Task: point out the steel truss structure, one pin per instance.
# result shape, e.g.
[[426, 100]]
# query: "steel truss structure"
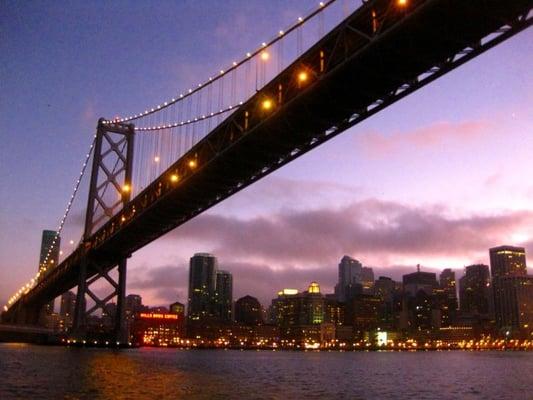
[[109, 192]]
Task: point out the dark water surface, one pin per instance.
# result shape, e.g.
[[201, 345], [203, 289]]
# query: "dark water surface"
[[39, 372]]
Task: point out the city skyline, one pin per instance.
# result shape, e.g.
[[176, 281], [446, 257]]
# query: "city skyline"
[[417, 183]]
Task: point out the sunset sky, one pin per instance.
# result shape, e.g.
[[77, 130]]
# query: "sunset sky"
[[435, 179]]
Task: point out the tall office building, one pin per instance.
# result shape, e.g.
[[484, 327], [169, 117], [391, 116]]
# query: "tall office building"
[[224, 296], [48, 259], [202, 285], [350, 276], [474, 290], [512, 288]]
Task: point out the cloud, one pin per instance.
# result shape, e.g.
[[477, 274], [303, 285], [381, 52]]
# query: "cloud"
[[437, 134], [370, 227]]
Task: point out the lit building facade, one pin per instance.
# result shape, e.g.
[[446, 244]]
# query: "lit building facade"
[[158, 329], [297, 312]]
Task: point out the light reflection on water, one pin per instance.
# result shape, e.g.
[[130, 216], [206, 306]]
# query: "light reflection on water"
[[38, 372]]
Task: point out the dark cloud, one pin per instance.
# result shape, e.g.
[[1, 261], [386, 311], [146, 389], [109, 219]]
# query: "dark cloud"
[[368, 227]]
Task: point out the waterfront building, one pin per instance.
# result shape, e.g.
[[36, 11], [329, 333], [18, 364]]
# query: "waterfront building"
[[363, 314], [158, 329], [513, 297], [295, 311], [334, 311], [391, 297], [248, 311], [512, 290]]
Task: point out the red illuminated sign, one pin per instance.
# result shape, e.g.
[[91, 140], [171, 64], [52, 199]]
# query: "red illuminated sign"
[[158, 316]]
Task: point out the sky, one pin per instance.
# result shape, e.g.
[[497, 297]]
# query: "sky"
[[435, 179]]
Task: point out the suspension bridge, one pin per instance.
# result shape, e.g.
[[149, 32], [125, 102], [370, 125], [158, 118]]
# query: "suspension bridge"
[[154, 170]]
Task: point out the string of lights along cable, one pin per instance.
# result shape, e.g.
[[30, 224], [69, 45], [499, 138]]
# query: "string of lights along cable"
[[169, 130]]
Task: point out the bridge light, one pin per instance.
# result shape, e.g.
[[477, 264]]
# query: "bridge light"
[[5, 308], [126, 188], [156, 158], [302, 77], [123, 218], [71, 242], [174, 178], [265, 56], [401, 3], [267, 104], [192, 164]]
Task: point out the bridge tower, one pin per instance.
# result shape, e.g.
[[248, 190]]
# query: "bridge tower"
[[109, 191]]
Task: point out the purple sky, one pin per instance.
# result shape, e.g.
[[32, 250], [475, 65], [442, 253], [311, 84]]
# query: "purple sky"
[[435, 179]]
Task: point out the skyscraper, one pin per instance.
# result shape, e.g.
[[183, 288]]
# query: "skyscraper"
[[512, 289], [224, 296], [474, 290], [202, 284], [48, 259], [350, 275]]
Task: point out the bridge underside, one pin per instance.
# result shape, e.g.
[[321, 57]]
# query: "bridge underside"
[[364, 72]]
